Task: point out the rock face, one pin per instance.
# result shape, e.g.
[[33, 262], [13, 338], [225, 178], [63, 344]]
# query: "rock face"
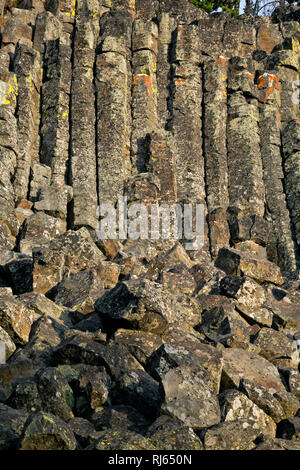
[[117, 331]]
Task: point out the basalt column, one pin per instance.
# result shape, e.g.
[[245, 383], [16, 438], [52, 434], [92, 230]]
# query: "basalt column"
[[144, 90], [8, 140], [185, 108], [56, 88], [83, 148], [246, 188], [113, 95], [215, 150], [291, 152], [280, 245], [28, 70]]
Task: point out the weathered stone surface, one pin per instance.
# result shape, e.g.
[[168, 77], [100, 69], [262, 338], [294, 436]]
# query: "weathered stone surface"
[[84, 432], [187, 397], [44, 431], [145, 305], [277, 444], [26, 396], [273, 344], [170, 434], [190, 355], [119, 417], [235, 406], [234, 435], [289, 429], [121, 440], [239, 364], [234, 262], [56, 395], [28, 71], [292, 378], [13, 372], [91, 389], [137, 388], [9, 345], [11, 426], [251, 298], [69, 253], [16, 319], [276, 405], [79, 291], [285, 315], [115, 359], [140, 344]]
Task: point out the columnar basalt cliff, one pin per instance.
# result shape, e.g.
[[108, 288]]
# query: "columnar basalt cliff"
[[144, 344]]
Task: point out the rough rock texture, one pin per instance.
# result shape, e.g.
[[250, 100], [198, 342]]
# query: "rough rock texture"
[[117, 331]]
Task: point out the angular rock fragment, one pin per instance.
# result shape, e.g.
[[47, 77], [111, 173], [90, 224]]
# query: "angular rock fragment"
[[119, 417], [84, 431], [273, 344], [289, 429], [239, 364], [170, 434], [232, 435], [91, 389], [11, 426], [44, 431], [16, 319], [55, 393], [145, 305], [7, 343], [121, 440], [187, 397], [69, 253], [79, 291], [139, 343], [236, 263], [235, 405], [138, 389], [195, 356], [116, 359]]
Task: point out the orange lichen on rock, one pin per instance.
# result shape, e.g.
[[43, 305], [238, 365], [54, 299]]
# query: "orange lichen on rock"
[[221, 59], [271, 84], [147, 83]]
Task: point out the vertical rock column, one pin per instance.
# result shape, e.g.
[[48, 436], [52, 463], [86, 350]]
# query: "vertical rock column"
[[286, 61], [280, 246], [113, 95], [214, 127], [28, 70], [55, 43], [185, 108], [186, 115], [215, 151], [55, 108], [291, 152], [83, 150], [245, 176], [167, 26], [144, 91], [8, 141]]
